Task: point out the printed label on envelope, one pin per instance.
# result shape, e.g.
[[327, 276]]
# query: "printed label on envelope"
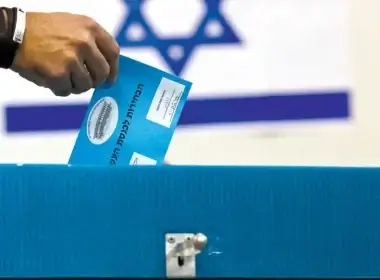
[[132, 122]]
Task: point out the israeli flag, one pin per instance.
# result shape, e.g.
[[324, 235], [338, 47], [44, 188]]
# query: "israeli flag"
[[251, 62]]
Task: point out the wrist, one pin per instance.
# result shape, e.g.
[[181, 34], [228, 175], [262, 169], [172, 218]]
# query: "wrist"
[[12, 35]]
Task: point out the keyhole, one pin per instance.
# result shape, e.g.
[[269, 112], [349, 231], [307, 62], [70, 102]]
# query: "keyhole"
[[181, 261]]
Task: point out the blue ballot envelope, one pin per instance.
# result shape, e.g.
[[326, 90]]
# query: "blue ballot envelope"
[[131, 122], [172, 221]]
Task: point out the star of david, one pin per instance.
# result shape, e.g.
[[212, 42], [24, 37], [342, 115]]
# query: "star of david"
[[176, 51]]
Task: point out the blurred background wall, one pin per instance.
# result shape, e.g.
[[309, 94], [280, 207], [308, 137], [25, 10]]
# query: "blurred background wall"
[[294, 82]]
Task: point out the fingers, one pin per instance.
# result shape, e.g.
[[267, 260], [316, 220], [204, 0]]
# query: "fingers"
[[57, 86], [61, 93], [34, 77], [59, 83], [80, 55], [81, 80], [86, 71], [96, 64], [110, 50]]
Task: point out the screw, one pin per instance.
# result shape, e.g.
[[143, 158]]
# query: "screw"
[[171, 239]]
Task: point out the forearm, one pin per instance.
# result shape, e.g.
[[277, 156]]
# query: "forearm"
[[12, 27]]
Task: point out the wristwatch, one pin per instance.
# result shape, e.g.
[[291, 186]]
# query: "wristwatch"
[[12, 30]]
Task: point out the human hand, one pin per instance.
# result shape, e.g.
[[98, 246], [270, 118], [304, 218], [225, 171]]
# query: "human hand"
[[66, 53]]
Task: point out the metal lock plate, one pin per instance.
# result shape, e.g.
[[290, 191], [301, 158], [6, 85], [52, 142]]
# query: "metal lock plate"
[[181, 250]]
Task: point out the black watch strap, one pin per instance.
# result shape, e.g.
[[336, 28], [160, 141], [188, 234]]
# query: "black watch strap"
[[12, 28]]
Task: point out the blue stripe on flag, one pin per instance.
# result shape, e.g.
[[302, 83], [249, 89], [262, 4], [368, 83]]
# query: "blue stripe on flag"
[[301, 106]]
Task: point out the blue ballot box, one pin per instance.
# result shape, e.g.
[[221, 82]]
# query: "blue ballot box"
[[139, 221]]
